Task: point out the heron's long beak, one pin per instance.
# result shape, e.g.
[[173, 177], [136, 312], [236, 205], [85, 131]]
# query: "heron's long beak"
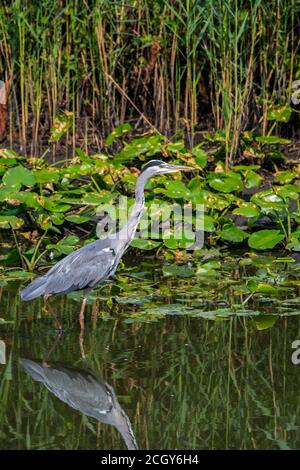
[[171, 168]]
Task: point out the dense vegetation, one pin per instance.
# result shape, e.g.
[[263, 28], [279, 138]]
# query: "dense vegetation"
[[96, 88], [49, 209], [199, 341]]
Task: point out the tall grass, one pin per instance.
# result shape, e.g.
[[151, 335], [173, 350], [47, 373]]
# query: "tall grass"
[[183, 66]]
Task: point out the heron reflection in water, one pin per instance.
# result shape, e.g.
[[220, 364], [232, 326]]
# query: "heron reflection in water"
[[82, 390]]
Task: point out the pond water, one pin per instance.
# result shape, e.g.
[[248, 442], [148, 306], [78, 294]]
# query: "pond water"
[[182, 357]]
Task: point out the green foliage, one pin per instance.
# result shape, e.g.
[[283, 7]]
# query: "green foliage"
[[265, 239], [48, 208], [61, 125]]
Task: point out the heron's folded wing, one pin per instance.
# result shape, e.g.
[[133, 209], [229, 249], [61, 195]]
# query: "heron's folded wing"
[[86, 267]]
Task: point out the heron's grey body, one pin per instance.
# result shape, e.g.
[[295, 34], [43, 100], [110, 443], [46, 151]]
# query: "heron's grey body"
[[83, 391], [94, 263]]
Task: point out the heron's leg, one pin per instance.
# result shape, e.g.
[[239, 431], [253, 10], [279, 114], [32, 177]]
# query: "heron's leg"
[[46, 358], [53, 313], [81, 314], [81, 322]]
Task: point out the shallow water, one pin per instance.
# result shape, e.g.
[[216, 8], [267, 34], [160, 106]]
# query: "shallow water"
[[182, 363]]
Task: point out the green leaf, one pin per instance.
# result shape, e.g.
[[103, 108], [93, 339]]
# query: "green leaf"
[[30, 200], [176, 270], [61, 125], [225, 184], [8, 221], [118, 132], [136, 148], [8, 193], [252, 180], [264, 322], [260, 287], [20, 274], [209, 223], [208, 268], [288, 191], [94, 199], [176, 146], [64, 246], [247, 210], [200, 156], [17, 176], [176, 190], [279, 113], [45, 222], [53, 205], [268, 200], [49, 175], [285, 177], [232, 233], [77, 219], [272, 139], [57, 218], [143, 244], [265, 239]]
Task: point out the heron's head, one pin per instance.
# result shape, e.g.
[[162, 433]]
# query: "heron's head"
[[158, 167]]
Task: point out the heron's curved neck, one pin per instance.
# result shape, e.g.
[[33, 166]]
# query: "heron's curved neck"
[[128, 231]]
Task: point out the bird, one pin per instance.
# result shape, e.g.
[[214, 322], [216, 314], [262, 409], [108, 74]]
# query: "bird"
[[94, 263], [82, 390]]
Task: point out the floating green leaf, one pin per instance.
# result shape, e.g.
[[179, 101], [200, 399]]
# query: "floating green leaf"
[[176, 270], [143, 244]]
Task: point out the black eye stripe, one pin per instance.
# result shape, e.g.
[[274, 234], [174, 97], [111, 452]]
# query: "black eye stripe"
[[152, 163]]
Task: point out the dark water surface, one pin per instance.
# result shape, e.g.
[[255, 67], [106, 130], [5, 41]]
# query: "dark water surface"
[[170, 364]]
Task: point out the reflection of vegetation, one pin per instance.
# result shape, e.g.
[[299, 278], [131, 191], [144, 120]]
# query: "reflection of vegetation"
[[207, 384], [207, 357], [226, 383]]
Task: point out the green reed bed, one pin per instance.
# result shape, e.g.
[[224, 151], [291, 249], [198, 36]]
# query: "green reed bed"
[[185, 65]]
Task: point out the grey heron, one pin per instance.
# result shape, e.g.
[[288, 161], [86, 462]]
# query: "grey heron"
[[95, 262], [82, 390]]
